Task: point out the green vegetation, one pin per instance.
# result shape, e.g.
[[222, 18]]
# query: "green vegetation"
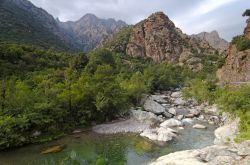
[[45, 94], [242, 43], [120, 40]]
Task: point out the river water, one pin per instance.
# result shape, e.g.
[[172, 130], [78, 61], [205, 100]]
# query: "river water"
[[93, 149]]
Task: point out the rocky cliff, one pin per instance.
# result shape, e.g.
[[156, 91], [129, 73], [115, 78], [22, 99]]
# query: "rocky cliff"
[[157, 37], [237, 63], [213, 39], [90, 31]]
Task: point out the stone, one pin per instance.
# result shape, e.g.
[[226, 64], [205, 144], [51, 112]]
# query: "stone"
[[176, 95], [159, 134], [195, 112], [172, 111], [160, 99], [199, 126], [187, 121], [189, 115], [145, 117], [180, 101], [54, 149], [226, 134], [180, 117], [171, 123], [152, 106]]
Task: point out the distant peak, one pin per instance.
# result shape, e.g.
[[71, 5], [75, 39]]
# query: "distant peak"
[[89, 15]]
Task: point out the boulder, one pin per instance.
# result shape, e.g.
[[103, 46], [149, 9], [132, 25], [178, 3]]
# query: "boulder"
[[189, 115], [152, 106], [159, 134], [172, 111], [199, 126], [171, 123], [180, 101], [143, 116], [227, 133]]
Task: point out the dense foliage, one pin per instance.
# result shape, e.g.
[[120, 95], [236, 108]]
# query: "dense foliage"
[[242, 43], [44, 94]]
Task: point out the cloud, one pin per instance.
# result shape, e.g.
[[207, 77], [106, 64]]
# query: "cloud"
[[192, 16]]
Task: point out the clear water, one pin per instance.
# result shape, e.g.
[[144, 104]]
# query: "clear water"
[[90, 149]]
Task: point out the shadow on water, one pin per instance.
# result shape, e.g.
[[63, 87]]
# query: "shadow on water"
[[93, 149]]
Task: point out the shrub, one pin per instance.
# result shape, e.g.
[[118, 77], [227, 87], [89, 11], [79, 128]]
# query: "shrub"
[[242, 43]]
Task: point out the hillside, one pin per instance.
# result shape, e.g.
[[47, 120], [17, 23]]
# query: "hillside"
[[22, 22]]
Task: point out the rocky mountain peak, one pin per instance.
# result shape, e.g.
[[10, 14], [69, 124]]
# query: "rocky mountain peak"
[[157, 38], [214, 40]]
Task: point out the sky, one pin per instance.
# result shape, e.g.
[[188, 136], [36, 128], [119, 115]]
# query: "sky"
[[192, 16]]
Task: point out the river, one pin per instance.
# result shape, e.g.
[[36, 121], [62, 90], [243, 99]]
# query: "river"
[[89, 148]]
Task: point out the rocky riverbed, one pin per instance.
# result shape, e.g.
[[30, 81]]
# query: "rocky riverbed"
[[163, 116]]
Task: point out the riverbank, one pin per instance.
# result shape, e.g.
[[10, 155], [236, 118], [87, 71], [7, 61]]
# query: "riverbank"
[[225, 150], [162, 118]]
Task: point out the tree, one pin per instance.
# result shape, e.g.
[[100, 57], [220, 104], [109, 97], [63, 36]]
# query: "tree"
[[246, 13]]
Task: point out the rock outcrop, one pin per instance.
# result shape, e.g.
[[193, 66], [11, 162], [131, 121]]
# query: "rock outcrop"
[[236, 69], [213, 39], [247, 29], [157, 38]]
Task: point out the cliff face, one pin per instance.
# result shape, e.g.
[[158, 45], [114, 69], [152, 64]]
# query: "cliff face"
[[157, 37], [213, 39], [90, 31], [237, 64]]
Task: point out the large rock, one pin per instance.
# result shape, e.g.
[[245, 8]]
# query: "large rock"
[[159, 134], [227, 133], [151, 105], [145, 117], [160, 99], [171, 123]]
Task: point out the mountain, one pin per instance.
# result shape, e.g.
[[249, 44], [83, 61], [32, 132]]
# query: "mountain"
[[237, 63], [21, 21], [213, 39], [157, 38], [90, 31]]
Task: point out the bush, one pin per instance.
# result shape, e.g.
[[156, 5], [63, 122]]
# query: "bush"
[[242, 43]]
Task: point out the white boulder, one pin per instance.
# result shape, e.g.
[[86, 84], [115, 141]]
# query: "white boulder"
[[171, 123]]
